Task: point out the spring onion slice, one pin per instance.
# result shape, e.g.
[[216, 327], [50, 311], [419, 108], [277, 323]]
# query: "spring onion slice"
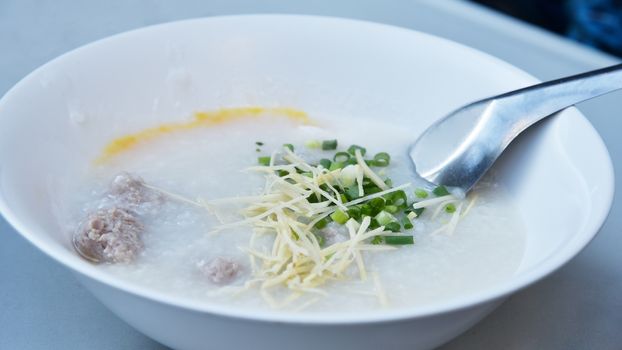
[[441, 206], [313, 144], [421, 193], [454, 219], [382, 159], [440, 191], [341, 157], [329, 145], [399, 240], [450, 208], [370, 173], [353, 148]]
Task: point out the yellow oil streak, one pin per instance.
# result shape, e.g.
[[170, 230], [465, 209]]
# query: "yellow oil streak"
[[201, 119]]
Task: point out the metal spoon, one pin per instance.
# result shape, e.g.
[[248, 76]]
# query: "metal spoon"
[[457, 150]]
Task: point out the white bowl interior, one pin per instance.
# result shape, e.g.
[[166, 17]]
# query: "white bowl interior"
[[54, 122]]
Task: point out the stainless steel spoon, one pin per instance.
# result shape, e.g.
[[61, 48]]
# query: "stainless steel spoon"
[[457, 150]]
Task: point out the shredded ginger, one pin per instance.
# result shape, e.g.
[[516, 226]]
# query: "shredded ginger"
[[296, 197], [297, 259]]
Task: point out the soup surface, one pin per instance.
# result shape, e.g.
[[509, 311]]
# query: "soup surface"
[[204, 163]]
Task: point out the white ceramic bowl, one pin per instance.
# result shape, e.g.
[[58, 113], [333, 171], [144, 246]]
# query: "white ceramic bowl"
[[56, 120]]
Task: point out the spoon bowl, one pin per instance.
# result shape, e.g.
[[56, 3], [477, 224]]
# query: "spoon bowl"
[[458, 150]]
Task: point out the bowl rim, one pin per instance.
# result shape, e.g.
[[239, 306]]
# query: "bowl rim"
[[496, 292]]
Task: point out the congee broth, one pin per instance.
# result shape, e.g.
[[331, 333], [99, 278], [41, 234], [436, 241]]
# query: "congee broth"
[[267, 208]]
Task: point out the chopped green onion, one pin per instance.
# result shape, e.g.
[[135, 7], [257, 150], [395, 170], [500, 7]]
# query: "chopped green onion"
[[313, 144], [384, 218], [335, 166], [393, 227], [440, 191], [320, 240], [325, 163], [321, 224], [400, 199], [391, 209], [407, 223], [354, 212], [376, 210], [399, 240], [264, 160], [397, 198], [352, 192], [307, 174], [367, 210], [417, 211], [369, 185], [352, 161], [373, 224], [421, 193], [450, 208], [295, 235], [352, 150], [372, 189], [339, 217], [329, 145], [259, 143], [376, 240], [283, 173], [378, 202], [344, 198], [382, 159], [290, 146], [341, 157]]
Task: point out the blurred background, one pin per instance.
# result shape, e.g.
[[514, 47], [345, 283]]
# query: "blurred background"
[[597, 23], [42, 306]]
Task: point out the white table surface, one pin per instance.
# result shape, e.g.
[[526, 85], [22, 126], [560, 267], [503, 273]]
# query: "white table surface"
[[579, 307]]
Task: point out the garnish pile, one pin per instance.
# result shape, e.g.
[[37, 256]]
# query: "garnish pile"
[[302, 202]]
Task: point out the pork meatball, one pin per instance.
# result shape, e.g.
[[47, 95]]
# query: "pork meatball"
[[219, 270], [129, 191], [109, 235]]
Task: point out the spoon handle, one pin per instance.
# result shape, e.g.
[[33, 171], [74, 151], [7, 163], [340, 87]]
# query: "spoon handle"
[[536, 102]]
